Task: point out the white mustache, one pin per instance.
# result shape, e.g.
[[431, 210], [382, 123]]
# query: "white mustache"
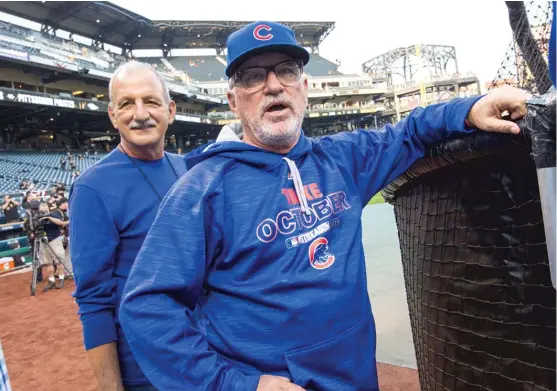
[[142, 125], [274, 100]]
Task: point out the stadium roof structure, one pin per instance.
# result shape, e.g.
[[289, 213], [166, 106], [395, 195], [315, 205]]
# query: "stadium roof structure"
[[105, 22]]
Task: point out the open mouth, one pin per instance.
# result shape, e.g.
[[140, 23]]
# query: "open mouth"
[[276, 109]]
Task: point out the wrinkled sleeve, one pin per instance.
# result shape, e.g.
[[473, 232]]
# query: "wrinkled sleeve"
[[94, 238], [374, 158]]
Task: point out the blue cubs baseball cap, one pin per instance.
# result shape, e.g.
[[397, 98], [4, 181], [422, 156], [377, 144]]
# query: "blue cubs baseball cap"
[[260, 37]]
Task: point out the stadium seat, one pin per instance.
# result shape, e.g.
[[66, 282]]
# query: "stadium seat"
[[43, 169], [199, 68]]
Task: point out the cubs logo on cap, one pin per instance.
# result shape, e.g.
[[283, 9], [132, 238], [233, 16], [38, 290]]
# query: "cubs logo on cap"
[[261, 32], [261, 37]]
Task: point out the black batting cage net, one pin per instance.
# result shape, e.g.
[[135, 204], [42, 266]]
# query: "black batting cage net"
[[525, 62], [473, 244]]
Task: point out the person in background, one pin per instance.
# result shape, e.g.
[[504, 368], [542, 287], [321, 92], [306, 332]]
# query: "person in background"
[[10, 207], [52, 255]]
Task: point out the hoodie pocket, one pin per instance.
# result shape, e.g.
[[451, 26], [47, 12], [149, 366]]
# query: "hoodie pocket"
[[345, 362]]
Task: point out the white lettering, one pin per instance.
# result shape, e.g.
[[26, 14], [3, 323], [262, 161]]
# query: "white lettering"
[[69, 104], [293, 220], [36, 100], [45, 101]]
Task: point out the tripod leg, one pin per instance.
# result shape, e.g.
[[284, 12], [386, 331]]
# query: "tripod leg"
[[36, 266]]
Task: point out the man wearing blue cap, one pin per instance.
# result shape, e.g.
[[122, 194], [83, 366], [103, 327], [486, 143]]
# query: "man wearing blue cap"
[[253, 276]]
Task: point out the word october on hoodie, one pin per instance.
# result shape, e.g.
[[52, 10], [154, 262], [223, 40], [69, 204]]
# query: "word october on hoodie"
[[255, 264]]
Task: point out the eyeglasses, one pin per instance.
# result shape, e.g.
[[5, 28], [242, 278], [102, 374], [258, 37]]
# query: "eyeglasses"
[[287, 73]]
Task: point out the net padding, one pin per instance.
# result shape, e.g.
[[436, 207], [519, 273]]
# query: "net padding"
[[480, 297]]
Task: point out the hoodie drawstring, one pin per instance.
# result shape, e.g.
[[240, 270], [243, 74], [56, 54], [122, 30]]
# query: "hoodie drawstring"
[[298, 185]]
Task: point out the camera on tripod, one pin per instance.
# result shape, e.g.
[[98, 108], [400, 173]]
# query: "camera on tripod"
[[34, 226]]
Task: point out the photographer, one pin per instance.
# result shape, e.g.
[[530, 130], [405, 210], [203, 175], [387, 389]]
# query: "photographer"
[[10, 209], [31, 201], [53, 253]]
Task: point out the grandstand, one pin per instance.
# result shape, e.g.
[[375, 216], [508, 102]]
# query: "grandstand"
[[197, 84], [43, 170], [53, 86], [210, 68]]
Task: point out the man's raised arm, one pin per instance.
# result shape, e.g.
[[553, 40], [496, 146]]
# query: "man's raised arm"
[[374, 158]]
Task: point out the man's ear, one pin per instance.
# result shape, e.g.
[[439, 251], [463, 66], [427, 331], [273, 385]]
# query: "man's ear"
[[171, 112], [306, 87], [231, 96], [112, 116]]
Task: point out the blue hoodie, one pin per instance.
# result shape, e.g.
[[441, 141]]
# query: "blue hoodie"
[[255, 265]]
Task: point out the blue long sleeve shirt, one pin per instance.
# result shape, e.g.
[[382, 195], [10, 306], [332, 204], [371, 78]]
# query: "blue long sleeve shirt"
[[111, 209], [255, 264]]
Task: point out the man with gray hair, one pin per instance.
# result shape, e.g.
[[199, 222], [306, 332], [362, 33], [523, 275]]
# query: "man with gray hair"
[[112, 205], [253, 275]]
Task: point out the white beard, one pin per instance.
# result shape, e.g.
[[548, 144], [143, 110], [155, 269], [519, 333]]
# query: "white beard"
[[278, 135]]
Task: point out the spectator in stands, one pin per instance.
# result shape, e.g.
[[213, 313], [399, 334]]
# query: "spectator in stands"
[[10, 207], [112, 207], [249, 278]]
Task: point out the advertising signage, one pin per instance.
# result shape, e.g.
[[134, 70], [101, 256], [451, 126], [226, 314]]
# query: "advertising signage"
[[36, 98]]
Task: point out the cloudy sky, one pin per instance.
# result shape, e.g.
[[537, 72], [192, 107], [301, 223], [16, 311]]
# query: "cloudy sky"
[[479, 30]]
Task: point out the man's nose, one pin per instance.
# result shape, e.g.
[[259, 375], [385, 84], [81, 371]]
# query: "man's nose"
[[273, 84], [140, 114]]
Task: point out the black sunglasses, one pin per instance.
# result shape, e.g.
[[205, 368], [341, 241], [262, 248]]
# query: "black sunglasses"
[[287, 72]]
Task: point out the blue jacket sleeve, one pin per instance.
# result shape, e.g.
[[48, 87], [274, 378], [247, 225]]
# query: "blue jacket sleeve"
[[94, 238], [162, 291], [374, 158]]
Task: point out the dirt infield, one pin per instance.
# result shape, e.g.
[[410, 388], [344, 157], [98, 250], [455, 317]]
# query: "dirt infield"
[[43, 345]]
